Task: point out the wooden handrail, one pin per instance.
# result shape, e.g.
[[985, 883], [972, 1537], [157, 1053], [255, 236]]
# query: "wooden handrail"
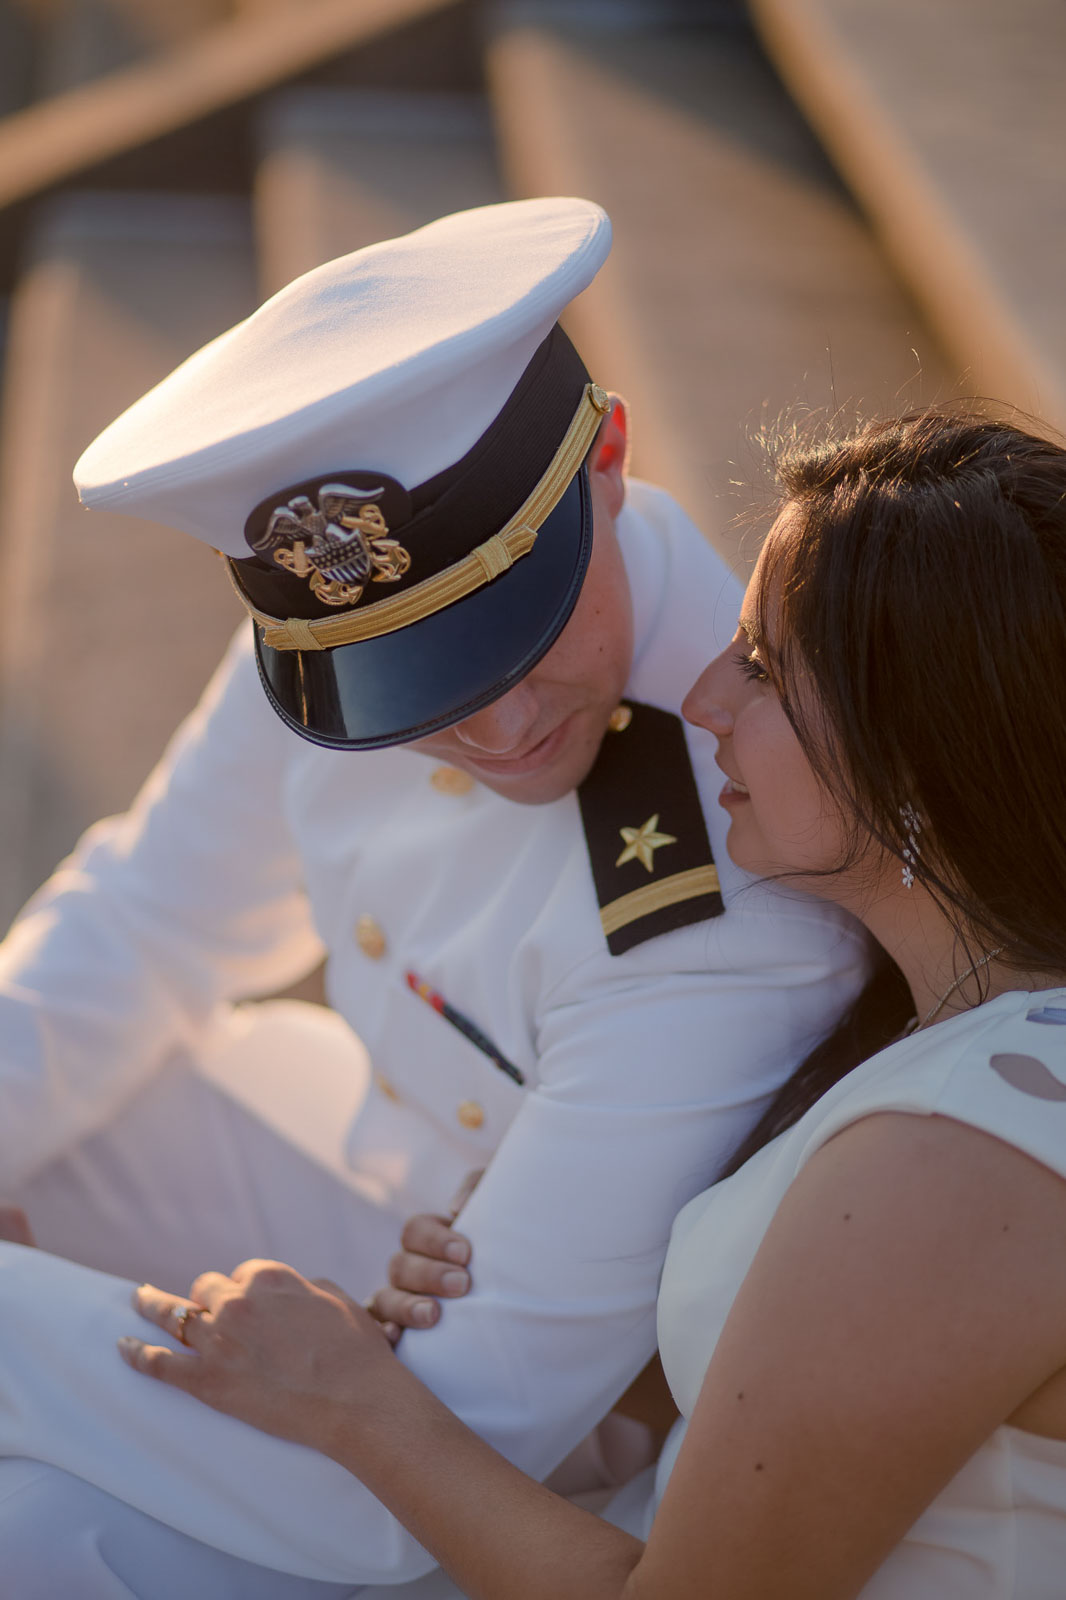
[[52, 141]]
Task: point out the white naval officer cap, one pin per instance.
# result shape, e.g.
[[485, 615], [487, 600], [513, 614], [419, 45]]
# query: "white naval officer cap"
[[390, 453]]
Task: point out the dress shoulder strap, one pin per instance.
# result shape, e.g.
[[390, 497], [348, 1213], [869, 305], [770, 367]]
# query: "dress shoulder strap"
[[1011, 1080], [1000, 1067]]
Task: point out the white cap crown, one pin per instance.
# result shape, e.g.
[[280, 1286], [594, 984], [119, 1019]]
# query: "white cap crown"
[[397, 357]]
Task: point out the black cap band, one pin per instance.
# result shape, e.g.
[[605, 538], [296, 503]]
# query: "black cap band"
[[450, 514]]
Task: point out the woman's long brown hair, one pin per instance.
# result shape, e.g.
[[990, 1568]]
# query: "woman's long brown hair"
[[918, 592]]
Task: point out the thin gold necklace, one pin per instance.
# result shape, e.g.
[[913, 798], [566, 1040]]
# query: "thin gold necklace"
[[946, 996]]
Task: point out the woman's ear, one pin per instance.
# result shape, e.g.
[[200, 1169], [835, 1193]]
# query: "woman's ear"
[[607, 459]]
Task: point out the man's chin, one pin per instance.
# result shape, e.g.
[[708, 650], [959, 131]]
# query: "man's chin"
[[530, 789], [547, 782]]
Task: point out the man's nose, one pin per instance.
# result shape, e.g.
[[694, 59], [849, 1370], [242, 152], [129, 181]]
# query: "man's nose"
[[502, 726]]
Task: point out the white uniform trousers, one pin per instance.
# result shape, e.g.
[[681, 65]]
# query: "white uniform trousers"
[[234, 1155], [63, 1539]]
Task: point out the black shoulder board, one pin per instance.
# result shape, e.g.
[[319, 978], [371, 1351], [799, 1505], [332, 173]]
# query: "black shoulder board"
[[647, 839]]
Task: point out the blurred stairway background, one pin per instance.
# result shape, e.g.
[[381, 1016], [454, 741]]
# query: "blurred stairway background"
[[165, 164]]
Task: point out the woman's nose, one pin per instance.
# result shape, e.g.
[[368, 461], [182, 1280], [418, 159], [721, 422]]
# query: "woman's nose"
[[705, 705]]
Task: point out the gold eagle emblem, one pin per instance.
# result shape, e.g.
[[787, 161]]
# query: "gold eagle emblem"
[[340, 545]]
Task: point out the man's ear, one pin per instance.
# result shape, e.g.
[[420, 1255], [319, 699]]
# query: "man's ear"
[[607, 458]]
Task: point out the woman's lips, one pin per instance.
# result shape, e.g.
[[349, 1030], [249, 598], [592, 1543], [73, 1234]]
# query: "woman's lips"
[[733, 793]]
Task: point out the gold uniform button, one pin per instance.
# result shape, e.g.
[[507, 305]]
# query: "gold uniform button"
[[388, 1089], [620, 719], [370, 937], [470, 1114], [451, 780]]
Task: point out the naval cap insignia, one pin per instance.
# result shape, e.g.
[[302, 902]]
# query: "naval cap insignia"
[[336, 537]]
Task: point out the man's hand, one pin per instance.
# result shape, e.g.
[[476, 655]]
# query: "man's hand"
[[15, 1227], [429, 1266]]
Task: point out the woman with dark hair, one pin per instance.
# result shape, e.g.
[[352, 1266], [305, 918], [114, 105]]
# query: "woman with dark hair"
[[864, 1323]]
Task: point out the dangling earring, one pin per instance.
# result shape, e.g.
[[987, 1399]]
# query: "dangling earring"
[[912, 849]]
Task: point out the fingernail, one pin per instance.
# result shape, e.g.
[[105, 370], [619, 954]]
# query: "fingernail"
[[458, 1250], [454, 1282], [423, 1312], [391, 1331], [128, 1345]]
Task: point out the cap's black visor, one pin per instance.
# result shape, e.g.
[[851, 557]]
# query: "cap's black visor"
[[424, 676], [433, 673]]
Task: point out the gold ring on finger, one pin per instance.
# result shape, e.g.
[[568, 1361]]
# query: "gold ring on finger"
[[182, 1317]]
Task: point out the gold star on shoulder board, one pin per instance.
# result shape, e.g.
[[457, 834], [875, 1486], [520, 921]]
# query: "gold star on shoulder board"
[[642, 843]]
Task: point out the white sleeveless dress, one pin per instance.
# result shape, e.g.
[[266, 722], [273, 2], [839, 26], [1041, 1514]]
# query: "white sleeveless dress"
[[998, 1530]]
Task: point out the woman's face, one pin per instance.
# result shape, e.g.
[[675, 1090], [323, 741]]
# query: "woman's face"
[[783, 819]]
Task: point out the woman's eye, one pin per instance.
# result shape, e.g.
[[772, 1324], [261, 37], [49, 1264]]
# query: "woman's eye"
[[751, 666]]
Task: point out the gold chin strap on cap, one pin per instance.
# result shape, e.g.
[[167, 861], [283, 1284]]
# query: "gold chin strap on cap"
[[481, 566]]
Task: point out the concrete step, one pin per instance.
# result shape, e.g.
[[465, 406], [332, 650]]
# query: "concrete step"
[[949, 123], [742, 281], [112, 625], [17, 55], [341, 169], [172, 119], [88, 38], [632, 15]]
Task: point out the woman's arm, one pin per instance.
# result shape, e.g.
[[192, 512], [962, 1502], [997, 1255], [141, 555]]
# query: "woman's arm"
[[909, 1295], [305, 1362]]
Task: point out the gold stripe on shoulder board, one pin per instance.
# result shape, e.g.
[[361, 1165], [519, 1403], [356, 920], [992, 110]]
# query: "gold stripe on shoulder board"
[[654, 896]]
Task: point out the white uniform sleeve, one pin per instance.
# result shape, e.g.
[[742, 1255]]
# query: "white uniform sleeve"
[[192, 897], [653, 1067], [649, 1081]]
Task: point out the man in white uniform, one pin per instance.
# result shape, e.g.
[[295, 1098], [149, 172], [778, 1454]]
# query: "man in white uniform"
[[499, 830]]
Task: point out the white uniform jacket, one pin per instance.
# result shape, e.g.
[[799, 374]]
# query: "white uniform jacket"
[[248, 852]]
